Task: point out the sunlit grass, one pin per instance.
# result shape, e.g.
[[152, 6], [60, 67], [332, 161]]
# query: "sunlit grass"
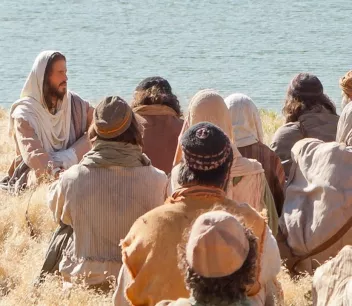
[[21, 256]]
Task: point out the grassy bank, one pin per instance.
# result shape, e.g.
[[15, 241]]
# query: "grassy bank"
[[21, 256]]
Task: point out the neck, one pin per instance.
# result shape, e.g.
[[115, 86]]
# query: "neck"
[[54, 101], [198, 190]]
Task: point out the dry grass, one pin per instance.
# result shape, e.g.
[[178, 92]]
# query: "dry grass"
[[21, 256]]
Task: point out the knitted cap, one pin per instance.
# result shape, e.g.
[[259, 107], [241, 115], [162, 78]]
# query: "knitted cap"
[[346, 83], [205, 146], [217, 246], [157, 81], [306, 85], [112, 117]]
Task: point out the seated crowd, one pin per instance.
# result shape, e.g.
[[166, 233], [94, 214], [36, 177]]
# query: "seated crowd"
[[188, 209]]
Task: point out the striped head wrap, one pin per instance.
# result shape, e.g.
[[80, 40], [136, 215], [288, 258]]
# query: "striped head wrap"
[[205, 147]]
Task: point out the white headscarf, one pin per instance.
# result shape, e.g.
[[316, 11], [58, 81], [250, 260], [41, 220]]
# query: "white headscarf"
[[246, 122], [52, 130], [344, 127]]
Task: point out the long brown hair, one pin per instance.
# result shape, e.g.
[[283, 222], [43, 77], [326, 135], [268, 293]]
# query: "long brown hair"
[[156, 90], [304, 93], [55, 57]]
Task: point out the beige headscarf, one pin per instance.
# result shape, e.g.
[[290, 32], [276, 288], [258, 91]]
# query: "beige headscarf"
[[208, 105], [52, 130], [246, 122], [218, 245], [344, 127]]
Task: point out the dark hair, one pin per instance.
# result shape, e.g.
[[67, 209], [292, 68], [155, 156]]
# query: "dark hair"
[[156, 94], [132, 135], [55, 57], [305, 92], [217, 177], [228, 289]]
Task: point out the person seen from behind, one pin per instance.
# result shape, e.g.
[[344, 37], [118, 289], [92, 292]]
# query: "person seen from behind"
[[218, 261], [308, 112], [247, 182], [101, 197], [150, 271], [161, 113], [248, 134]]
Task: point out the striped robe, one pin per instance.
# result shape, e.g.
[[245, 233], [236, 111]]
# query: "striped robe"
[[101, 204]]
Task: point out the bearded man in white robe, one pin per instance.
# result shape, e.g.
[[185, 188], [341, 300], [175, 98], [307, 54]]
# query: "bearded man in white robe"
[[48, 124]]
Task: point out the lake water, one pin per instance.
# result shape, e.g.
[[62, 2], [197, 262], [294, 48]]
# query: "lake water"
[[254, 47]]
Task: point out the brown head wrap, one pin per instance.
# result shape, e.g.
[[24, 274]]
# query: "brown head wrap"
[[112, 117]]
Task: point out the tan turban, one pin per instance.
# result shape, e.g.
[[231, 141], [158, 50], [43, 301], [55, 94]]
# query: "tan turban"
[[217, 246], [346, 83]]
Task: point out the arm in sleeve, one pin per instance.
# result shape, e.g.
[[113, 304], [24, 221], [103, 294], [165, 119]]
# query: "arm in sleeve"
[[58, 203], [283, 141], [271, 208], [90, 111], [271, 261], [75, 153], [123, 280], [31, 147]]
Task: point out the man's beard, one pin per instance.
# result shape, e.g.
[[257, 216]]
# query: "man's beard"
[[55, 92], [51, 92]]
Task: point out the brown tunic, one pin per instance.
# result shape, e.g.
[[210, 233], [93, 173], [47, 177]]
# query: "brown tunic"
[[160, 139]]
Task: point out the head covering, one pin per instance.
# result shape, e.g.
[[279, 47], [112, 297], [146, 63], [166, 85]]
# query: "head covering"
[[112, 117], [52, 130], [344, 127], [246, 122], [205, 147], [346, 83], [217, 246], [208, 105], [306, 85], [159, 82]]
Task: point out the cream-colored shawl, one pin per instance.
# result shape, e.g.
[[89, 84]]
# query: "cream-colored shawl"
[[52, 130], [208, 105], [318, 199], [344, 127], [332, 282], [246, 122]]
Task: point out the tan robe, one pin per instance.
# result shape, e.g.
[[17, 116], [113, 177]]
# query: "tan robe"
[[101, 202], [150, 248]]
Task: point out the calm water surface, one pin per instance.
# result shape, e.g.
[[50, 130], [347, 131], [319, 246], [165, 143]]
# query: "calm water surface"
[[254, 47]]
